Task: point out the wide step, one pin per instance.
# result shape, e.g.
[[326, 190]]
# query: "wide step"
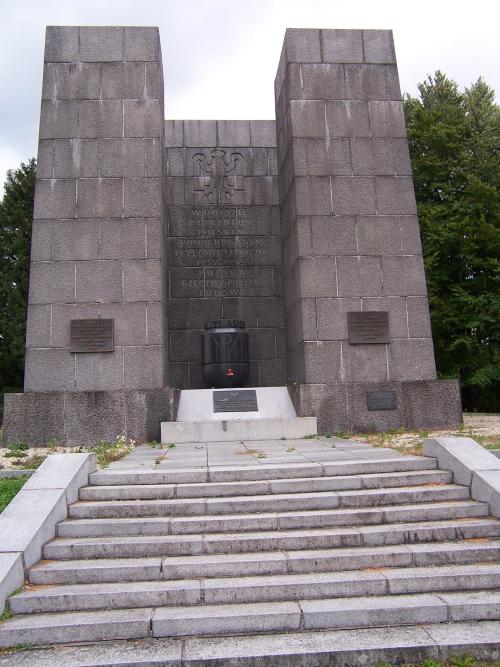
[[227, 590], [270, 520], [250, 618], [262, 487], [177, 545], [271, 503], [260, 563], [386, 463]]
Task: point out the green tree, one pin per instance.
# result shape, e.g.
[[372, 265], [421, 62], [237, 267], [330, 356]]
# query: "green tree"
[[16, 213], [454, 138]]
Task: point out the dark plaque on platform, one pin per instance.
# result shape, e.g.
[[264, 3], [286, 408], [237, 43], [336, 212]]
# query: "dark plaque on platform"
[[237, 400], [368, 327], [92, 335], [383, 399]]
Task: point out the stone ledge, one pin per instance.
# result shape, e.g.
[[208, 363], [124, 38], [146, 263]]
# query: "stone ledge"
[[471, 464], [29, 521]]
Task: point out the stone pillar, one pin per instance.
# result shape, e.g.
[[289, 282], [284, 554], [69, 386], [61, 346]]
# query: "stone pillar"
[[350, 233], [98, 237]]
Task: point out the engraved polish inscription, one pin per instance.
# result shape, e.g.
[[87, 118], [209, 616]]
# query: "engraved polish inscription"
[[383, 399], [221, 282], [91, 335], [220, 221], [226, 251], [235, 401], [368, 327]]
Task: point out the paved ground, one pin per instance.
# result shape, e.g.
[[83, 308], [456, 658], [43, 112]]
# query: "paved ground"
[[247, 453]]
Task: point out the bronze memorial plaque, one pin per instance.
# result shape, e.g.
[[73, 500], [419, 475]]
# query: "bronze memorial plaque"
[[92, 336], [369, 326], [235, 400], [383, 399]]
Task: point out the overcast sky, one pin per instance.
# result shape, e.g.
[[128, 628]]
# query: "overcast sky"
[[220, 56]]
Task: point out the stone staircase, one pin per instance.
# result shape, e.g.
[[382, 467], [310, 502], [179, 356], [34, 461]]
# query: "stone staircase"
[[344, 544]]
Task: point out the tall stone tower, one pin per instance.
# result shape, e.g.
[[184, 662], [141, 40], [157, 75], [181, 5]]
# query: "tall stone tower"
[[98, 246], [359, 345]]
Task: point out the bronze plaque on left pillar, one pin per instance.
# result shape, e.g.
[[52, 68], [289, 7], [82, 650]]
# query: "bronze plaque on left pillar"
[[92, 335]]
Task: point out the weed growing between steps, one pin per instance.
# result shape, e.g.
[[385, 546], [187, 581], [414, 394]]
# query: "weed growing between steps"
[[8, 489], [108, 451]]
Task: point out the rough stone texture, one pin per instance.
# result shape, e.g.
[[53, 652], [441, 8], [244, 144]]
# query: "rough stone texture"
[[432, 404], [85, 417]]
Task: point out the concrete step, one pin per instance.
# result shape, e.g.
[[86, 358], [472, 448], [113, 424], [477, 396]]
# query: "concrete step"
[[271, 520], [96, 570], [369, 646], [269, 588], [319, 614], [262, 617], [299, 485], [43, 629], [233, 429], [281, 502], [260, 563], [389, 463], [195, 544]]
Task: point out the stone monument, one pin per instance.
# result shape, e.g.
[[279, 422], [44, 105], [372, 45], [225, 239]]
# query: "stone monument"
[[305, 228]]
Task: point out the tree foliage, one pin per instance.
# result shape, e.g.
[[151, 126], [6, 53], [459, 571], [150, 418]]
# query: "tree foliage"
[[454, 138], [16, 213]]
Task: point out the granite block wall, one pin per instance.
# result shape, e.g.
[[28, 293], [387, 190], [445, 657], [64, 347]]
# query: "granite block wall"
[[223, 235], [98, 239]]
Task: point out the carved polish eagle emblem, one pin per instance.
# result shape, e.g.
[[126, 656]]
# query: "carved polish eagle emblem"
[[218, 175]]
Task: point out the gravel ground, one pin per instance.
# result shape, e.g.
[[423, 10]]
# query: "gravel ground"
[[484, 428]]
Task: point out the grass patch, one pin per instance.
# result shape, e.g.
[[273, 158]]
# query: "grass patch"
[[8, 489], [310, 436]]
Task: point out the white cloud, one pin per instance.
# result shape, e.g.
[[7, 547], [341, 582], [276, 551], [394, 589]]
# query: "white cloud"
[[220, 56]]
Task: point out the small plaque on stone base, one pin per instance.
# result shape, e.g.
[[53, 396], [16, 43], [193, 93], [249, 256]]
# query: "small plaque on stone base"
[[236, 400], [382, 399], [92, 335], [368, 327]]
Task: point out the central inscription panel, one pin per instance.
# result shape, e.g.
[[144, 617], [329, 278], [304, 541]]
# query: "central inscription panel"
[[224, 256]]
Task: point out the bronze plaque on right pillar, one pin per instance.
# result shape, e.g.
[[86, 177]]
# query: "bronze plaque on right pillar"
[[368, 327]]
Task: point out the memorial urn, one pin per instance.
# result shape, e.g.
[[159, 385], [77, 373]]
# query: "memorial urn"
[[224, 354]]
